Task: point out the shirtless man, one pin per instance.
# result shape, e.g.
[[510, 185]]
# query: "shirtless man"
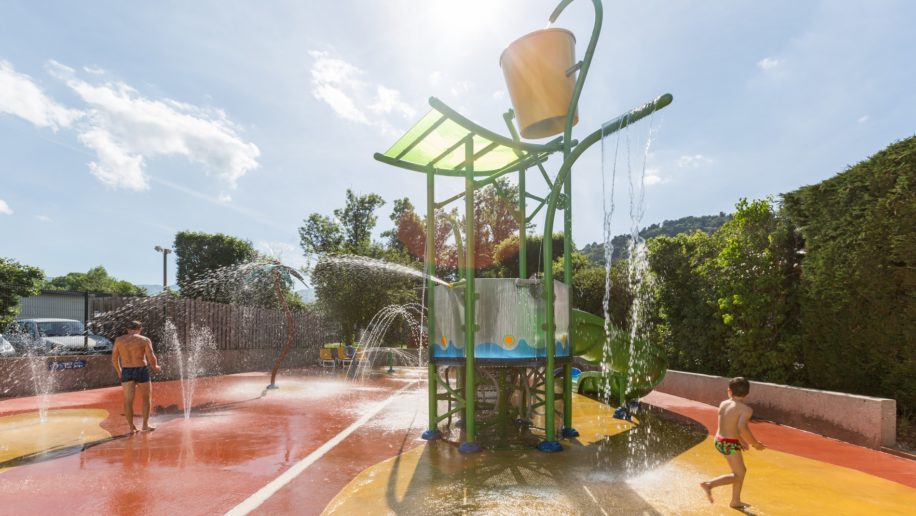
[[732, 437], [133, 357]]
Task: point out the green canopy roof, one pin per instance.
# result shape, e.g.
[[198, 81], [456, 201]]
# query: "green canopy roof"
[[438, 141]]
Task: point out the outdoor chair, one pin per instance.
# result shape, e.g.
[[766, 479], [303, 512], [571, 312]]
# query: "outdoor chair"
[[326, 356], [342, 357]]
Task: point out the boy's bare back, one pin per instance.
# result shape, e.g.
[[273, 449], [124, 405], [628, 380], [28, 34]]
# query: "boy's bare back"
[[132, 350], [732, 415]]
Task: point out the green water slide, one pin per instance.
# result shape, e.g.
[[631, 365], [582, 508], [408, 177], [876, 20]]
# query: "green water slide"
[[621, 377]]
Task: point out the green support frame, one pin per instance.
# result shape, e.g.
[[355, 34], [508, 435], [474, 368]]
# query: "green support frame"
[[445, 143]]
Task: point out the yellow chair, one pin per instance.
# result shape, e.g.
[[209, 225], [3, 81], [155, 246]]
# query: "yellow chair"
[[326, 356], [343, 357]]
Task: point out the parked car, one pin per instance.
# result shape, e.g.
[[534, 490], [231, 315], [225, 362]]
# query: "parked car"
[[54, 336], [6, 349]]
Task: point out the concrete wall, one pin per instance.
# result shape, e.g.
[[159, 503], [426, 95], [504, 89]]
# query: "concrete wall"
[[97, 371], [856, 419]]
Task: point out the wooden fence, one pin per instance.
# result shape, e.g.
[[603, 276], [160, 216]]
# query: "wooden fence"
[[233, 327]]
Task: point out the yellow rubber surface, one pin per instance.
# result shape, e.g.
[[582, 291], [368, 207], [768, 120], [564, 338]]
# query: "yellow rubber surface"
[[25, 434], [589, 477]]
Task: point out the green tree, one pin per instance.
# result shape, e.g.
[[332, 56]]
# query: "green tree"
[[756, 284], [95, 280], [408, 233], [506, 255], [16, 281], [690, 328], [708, 224], [210, 268], [589, 290], [495, 220], [320, 234], [353, 291], [357, 219]]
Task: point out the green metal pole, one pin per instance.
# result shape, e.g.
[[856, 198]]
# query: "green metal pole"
[[522, 208], [568, 430], [432, 431], [620, 122], [522, 230], [470, 321], [566, 181]]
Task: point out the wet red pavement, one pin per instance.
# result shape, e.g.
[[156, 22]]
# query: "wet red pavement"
[[235, 444]]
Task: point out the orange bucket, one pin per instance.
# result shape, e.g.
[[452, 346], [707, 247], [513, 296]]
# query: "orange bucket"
[[535, 70]]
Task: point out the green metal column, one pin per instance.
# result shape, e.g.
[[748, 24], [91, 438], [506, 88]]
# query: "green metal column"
[[432, 375], [522, 231], [470, 321], [567, 278]]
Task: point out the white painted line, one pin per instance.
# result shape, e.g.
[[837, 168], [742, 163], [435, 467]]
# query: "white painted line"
[[595, 500], [262, 495]]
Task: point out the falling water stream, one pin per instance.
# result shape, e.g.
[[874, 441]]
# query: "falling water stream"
[[638, 279]]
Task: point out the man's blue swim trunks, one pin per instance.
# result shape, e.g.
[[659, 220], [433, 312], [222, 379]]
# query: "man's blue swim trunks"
[[134, 374]]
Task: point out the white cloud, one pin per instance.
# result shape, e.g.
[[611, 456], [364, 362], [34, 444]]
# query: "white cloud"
[[94, 70], [341, 86], [44, 218], [434, 78], [499, 94], [125, 129], [694, 161], [20, 96], [863, 119], [224, 198], [461, 87], [5, 208], [389, 101], [769, 63], [652, 177], [116, 166]]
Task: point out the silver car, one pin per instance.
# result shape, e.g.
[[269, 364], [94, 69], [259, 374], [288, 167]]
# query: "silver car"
[[6, 349], [55, 336]]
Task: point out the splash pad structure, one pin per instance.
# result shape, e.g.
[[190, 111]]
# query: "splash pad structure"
[[512, 334]]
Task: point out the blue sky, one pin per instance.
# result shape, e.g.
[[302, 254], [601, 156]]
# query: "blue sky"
[[124, 122]]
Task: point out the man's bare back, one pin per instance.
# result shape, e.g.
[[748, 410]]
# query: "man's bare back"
[[132, 350]]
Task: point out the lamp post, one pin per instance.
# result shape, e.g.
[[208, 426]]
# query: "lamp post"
[[165, 252], [165, 283]]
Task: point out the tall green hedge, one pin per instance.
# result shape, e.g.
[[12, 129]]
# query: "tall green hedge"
[[819, 292], [858, 281]]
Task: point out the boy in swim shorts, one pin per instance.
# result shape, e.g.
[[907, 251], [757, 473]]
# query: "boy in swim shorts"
[[732, 437], [133, 358]]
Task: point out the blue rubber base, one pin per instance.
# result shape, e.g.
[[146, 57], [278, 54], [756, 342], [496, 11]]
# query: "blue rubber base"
[[469, 448], [622, 413], [431, 435], [273, 386], [550, 446], [569, 432]]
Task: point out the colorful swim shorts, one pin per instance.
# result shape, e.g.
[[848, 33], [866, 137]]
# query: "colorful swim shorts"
[[727, 446]]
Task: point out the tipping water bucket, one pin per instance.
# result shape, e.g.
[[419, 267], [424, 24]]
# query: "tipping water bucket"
[[535, 68]]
